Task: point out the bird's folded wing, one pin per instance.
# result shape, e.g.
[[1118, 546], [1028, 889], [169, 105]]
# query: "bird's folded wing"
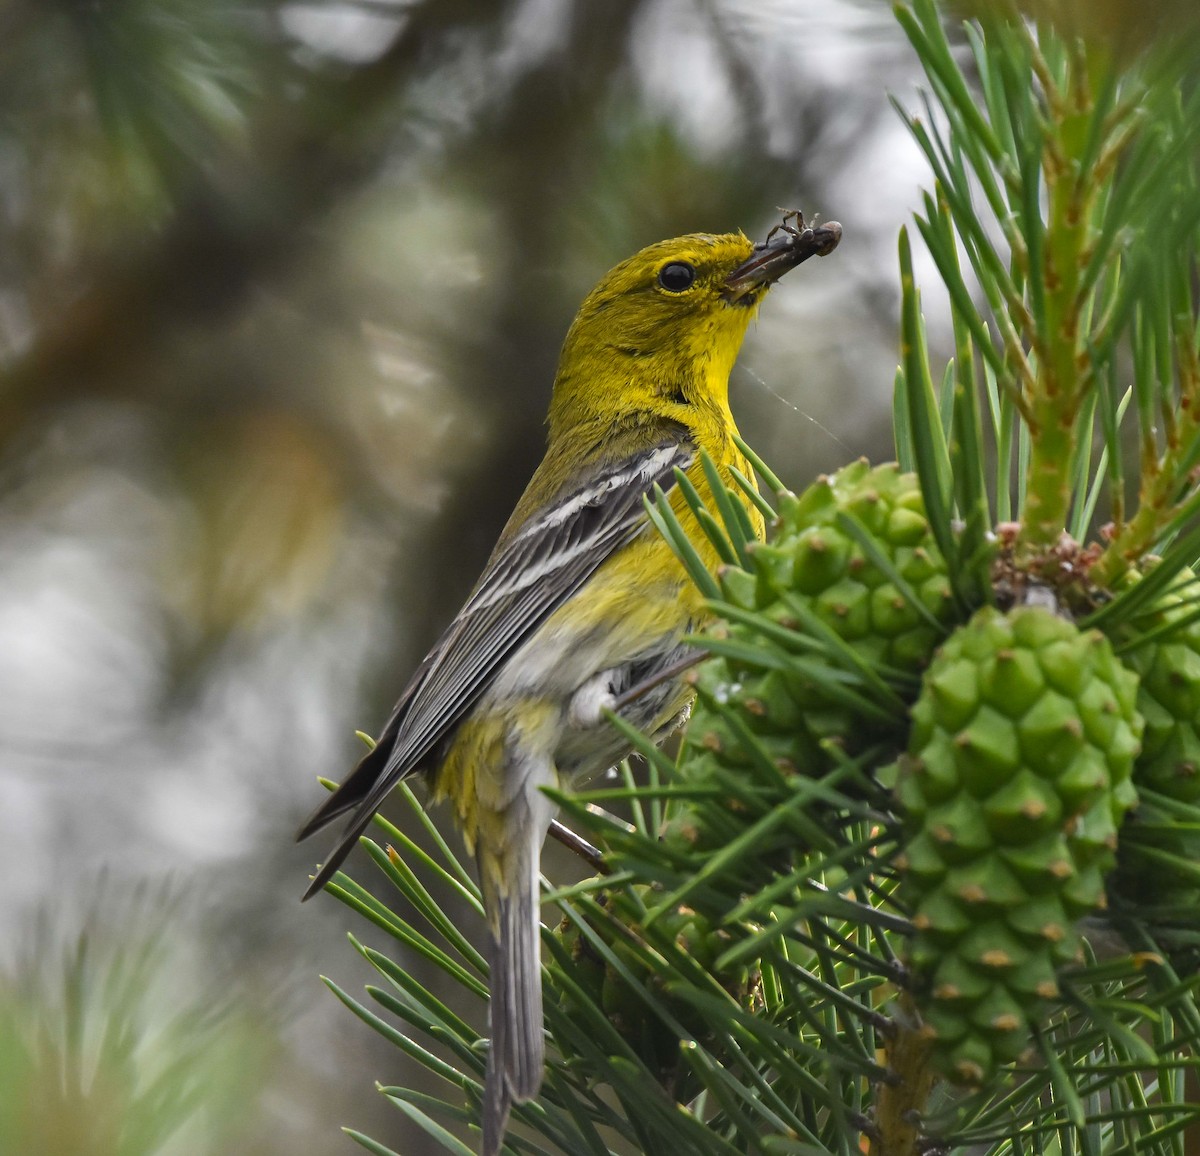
[[537, 570]]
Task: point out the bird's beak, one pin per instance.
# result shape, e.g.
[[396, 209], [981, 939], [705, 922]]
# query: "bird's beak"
[[786, 246]]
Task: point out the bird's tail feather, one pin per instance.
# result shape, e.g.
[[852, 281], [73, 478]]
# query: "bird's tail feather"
[[517, 1055]]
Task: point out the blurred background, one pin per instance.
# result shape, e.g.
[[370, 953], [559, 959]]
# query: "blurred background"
[[282, 287]]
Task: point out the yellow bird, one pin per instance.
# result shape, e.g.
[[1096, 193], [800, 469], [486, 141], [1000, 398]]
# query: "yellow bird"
[[580, 602]]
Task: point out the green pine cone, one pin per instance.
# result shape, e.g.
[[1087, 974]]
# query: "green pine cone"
[[753, 708], [1018, 775], [1158, 860], [817, 566], [817, 561], [767, 704], [1169, 694]]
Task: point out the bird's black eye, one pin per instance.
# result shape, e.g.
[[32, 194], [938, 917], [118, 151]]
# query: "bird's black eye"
[[676, 277]]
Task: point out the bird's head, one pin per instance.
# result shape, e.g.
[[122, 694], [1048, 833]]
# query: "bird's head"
[[669, 321]]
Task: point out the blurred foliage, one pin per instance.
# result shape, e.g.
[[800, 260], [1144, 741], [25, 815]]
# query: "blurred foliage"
[[1124, 28], [181, 185], [111, 1043]]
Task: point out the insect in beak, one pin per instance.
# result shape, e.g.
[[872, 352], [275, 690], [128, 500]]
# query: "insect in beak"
[[786, 246]]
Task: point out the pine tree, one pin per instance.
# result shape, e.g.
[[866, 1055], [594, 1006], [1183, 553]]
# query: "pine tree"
[[924, 871]]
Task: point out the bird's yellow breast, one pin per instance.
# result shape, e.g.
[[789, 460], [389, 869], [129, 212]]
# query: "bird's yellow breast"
[[639, 603]]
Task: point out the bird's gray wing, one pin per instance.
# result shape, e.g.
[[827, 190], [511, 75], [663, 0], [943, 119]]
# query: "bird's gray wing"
[[536, 571]]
